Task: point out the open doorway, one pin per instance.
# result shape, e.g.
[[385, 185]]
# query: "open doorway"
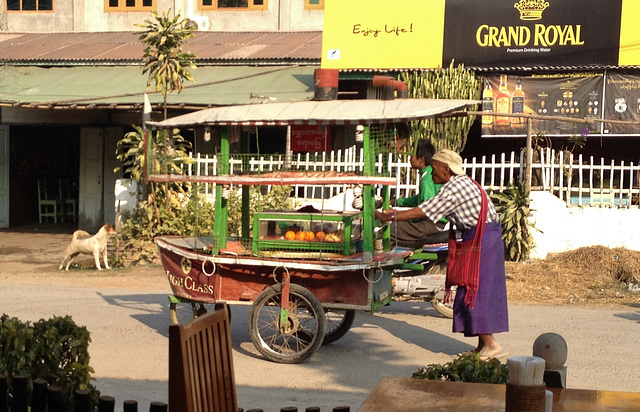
[[45, 153]]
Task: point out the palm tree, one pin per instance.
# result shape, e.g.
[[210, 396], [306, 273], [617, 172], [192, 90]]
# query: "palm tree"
[[164, 61], [166, 64]]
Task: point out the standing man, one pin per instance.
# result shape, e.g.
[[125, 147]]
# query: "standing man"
[[460, 201]]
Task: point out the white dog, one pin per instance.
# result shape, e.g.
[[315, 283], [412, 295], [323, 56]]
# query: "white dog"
[[83, 242]]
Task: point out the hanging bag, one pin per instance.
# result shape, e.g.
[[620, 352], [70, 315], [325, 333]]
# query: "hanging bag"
[[463, 259]]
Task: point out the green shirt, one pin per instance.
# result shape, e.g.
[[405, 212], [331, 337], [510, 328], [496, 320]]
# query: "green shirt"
[[427, 190]]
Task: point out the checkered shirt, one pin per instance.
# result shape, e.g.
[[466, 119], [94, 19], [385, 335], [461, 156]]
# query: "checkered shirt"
[[458, 200]]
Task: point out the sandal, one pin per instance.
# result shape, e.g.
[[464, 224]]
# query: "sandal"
[[467, 353], [495, 355]]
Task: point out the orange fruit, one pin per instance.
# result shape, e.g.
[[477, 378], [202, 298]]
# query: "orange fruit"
[[309, 236], [321, 235], [290, 235], [300, 235]]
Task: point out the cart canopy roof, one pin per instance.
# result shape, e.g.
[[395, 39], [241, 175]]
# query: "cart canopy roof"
[[363, 111]]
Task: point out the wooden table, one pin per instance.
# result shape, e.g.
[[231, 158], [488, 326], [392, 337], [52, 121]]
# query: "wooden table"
[[406, 394]]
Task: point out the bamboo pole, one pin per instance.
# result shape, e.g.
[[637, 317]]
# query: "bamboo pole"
[[542, 117], [527, 170]]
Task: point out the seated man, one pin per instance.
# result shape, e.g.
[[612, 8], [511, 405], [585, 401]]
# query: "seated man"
[[413, 233]]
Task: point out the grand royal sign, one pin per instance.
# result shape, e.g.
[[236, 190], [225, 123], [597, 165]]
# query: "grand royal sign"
[[523, 36], [491, 33]]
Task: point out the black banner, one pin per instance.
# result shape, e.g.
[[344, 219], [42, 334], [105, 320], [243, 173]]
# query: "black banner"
[[561, 96], [532, 33], [622, 102]]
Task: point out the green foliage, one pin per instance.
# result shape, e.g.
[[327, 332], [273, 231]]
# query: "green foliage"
[[193, 216], [578, 141], [167, 154], [16, 347], [467, 368], [164, 61], [277, 199], [513, 207], [55, 350], [450, 83], [540, 140]]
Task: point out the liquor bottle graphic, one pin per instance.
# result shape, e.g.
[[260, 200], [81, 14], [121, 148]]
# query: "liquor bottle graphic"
[[503, 102], [517, 103], [487, 103], [593, 109], [543, 109]]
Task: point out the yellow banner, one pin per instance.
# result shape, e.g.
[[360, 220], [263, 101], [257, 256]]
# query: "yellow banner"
[[629, 34], [382, 34], [413, 34]]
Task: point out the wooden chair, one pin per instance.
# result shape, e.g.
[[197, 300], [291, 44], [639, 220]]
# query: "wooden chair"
[[68, 200], [201, 376], [47, 208]]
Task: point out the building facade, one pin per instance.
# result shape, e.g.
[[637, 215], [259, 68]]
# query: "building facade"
[[122, 15]]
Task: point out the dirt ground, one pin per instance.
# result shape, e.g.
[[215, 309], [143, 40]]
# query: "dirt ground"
[[32, 255], [583, 277]]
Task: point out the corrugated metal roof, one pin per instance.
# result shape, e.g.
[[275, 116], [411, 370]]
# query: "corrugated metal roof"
[[319, 112], [124, 48], [123, 86], [211, 47]]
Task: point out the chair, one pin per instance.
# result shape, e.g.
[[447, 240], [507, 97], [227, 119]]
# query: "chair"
[[47, 208], [68, 200], [201, 376]]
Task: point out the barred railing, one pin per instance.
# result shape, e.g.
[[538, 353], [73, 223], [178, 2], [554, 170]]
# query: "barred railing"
[[578, 181]]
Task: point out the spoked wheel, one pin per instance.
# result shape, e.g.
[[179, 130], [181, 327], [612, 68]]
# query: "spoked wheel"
[[292, 336], [339, 321], [445, 309], [183, 310]]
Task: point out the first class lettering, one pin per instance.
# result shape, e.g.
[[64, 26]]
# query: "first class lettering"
[[190, 284]]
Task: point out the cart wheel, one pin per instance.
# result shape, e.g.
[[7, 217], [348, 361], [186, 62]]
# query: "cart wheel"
[[339, 321], [300, 337], [445, 309], [185, 310]]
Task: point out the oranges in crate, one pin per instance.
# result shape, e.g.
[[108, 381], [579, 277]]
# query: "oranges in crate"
[[304, 235]]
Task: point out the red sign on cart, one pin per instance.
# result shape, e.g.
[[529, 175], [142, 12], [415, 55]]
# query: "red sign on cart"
[[309, 138]]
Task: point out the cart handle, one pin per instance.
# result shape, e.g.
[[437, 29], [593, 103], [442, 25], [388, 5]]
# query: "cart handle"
[[286, 279], [213, 270], [364, 275]]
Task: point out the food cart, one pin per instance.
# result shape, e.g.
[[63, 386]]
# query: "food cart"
[[304, 272]]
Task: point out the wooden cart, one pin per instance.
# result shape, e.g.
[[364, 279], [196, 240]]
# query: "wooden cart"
[[303, 292]]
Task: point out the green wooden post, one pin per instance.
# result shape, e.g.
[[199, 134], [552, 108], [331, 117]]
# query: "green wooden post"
[[246, 189], [368, 195], [386, 235], [220, 224]]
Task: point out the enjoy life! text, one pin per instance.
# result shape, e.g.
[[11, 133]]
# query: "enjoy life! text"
[[388, 29]]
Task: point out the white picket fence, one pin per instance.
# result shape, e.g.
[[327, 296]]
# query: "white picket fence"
[[576, 181]]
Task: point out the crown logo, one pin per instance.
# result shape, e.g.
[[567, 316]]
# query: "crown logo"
[[531, 9]]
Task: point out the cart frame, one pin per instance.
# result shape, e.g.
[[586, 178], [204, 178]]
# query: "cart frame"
[[292, 292]]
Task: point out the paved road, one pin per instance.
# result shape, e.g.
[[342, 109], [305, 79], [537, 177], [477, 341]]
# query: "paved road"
[[130, 356]]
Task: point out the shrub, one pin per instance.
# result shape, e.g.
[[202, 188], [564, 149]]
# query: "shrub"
[[55, 350], [276, 199], [513, 207], [467, 368], [191, 216], [194, 216]]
